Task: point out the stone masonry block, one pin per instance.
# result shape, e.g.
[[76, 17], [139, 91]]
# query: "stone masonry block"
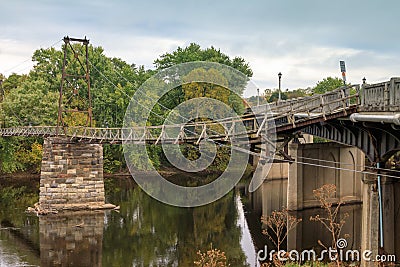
[[79, 184]]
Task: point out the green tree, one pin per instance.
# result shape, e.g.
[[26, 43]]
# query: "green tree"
[[30, 103], [33, 99], [194, 52], [327, 84], [191, 53], [252, 100], [274, 96], [216, 89], [12, 82], [298, 93]]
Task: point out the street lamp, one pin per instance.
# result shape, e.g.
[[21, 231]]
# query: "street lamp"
[[258, 97], [2, 92], [3, 120], [279, 90]]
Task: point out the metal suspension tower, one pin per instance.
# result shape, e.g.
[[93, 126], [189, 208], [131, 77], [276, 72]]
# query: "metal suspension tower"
[[75, 103]]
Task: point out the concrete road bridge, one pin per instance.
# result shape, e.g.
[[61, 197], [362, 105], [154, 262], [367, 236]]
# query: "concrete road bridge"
[[369, 119]]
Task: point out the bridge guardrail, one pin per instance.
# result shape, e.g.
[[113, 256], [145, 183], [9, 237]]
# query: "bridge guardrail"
[[332, 100], [284, 113], [383, 96]]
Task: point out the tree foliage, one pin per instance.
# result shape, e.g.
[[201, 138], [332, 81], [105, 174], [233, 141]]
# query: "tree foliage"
[[327, 84], [193, 52], [32, 99], [273, 95]]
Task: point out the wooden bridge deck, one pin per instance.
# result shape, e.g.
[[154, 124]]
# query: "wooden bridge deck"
[[283, 116]]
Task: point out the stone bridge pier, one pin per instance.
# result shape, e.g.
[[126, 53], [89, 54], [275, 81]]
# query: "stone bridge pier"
[[71, 175]]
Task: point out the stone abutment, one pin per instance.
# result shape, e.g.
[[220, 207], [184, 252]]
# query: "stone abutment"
[[71, 175]]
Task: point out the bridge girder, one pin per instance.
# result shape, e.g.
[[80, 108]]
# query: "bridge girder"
[[378, 141]]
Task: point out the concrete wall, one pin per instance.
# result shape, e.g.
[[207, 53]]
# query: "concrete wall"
[[71, 175], [274, 195], [291, 184], [304, 178]]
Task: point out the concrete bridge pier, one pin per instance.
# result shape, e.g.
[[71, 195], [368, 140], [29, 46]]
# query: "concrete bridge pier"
[[71, 175], [319, 164], [295, 181], [370, 235], [388, 209], [370, 218]]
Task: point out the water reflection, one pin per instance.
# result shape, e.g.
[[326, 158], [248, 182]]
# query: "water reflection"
[[16, 252], [71, 239], [272, 195], [19, 237], [307, 233], [148, 233], [145, 232]]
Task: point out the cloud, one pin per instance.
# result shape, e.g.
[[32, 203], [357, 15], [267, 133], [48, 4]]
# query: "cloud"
[[15, 56], [140, 50], [302, 39]]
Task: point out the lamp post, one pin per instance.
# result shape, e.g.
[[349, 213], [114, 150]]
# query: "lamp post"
[[361, 95], [3, 120], [258, 97], [1, 88], [279, 86]]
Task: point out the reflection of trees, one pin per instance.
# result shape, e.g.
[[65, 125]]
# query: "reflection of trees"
[[139, 234], [216, 223], [147, 232], [21, 230]]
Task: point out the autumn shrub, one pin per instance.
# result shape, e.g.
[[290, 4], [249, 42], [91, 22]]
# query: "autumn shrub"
[[211, 258]]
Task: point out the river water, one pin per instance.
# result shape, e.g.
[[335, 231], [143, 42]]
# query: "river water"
[[145, 232]]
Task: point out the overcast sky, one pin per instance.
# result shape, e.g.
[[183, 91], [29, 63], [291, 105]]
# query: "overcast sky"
[[303, 39]]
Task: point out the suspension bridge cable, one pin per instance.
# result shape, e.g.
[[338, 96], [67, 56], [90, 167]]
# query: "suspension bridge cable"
[[151, 111], [257, 154], [19, 64], [160, 104], [269, 158], [349, 164], [29, 59], [119, 89], [221, 144]]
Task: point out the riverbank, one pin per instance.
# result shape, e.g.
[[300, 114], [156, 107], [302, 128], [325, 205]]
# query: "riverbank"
[[21, 179], [31, 180]]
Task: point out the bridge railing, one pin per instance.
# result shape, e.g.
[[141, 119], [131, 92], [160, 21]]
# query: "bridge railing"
[[383, 96], [332, 100], [287, 112], [29, 131], [192, 132], [293, 111]]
